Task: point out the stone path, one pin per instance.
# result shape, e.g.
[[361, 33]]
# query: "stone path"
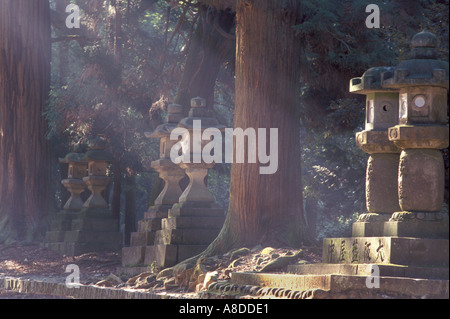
[[8, 294]]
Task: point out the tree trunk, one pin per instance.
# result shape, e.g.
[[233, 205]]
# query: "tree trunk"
[[63, 73], [266, 208], [208, 50], [25, 160], [63, 47]]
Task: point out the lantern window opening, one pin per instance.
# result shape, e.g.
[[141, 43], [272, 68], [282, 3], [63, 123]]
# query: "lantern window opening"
[[419, 100]]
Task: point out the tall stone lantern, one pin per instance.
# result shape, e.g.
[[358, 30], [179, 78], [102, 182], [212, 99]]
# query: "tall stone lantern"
[[172, 174], [422, 132], [196, 219], [407, 255], [168, 171], [62, 221], [382, 165], [98, 159], [196, 193]]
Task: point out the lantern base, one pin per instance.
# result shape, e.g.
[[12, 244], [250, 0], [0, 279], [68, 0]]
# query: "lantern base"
[[87, 230], [418, 224], [370, 225]]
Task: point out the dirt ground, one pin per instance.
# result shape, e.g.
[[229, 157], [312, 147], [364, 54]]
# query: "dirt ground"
[[35, 262]]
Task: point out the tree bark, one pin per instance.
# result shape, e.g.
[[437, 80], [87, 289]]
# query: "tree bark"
[[207, 52], [25, 160], [266, 208], [63, 47], [63, 72]]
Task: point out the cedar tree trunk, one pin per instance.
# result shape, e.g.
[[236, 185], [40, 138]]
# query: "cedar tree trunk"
[[208, 51], [25, 160], [266, 209]]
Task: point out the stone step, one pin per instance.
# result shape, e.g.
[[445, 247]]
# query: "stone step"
[[142, 238], [366, 270], [420, 228], [95, 213], [133, 256], [32, 286], [149, 224], [95, 224], [196, 212], [55, 236], [63, 220], [61, 225], [186, 236], [66, 215], [87, 230], [419, 225], [412, 287], [192, 222], [157, 211], [386, 250], [92, 237]]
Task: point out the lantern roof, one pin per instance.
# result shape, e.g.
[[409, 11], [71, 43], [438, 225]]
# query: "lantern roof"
[[423, 67], [199, 112], [370, 81], [73, 157], [173, 117], [97, 150]]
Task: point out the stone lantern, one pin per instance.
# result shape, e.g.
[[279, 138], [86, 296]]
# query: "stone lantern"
[[87, 227], [195, 220], [74, 182], [422, 132], [97, 158], [196, 193], [407, 255], [382, 165], [170, 172], [62, 221]]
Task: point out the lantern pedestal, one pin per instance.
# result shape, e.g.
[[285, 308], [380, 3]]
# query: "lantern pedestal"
[[196, 193], [135, 254], [89, 230], [381, 183], [75, 187], [96, 184], [171, 174]]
